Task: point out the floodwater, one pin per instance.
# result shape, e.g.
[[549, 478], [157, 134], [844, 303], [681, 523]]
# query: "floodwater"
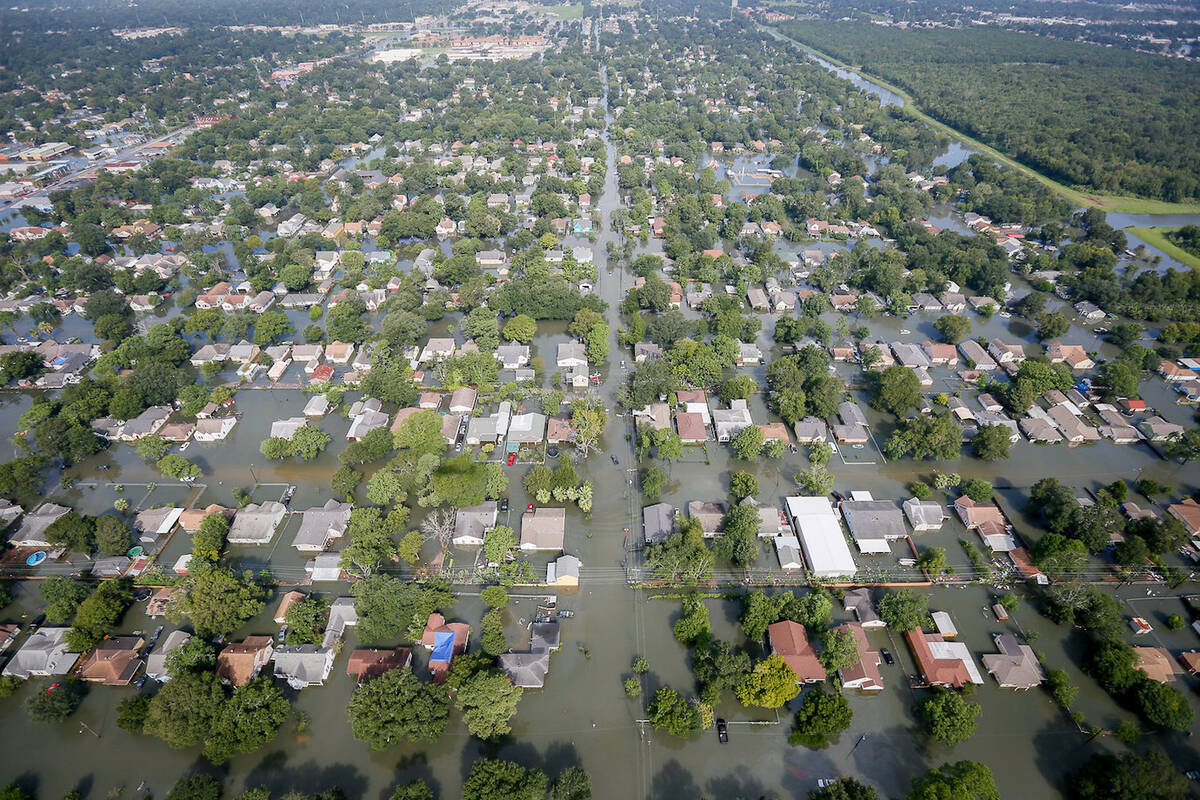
[[583, 716]]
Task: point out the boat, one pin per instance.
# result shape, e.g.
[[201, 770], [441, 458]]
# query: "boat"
[[287, 496], [565, 614], [905, 331], [184, 446]]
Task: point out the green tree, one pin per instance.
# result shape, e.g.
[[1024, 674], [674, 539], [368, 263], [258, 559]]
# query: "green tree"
[[520, 328], [57, 701], [948, 717], [928, 436], [952, 327], [897, 389], [388, 607], [73, 531], [1164, 705], [839, 650], [62, 597], [396, 707], [992, 443], [1116, 777], [218, 600], [112, 535], [1052, 325], [491, 633], [821, 714], [184, 710], [493, 779], [488, 700], [816, 480], [693, 625], [669, 711], [195, 787], [209, 539], [306, 620], [653, 480], [904, 610], [132, 711], [97, 616], [743, 484], [978, 490], [247, 721], [572, 783], [963, 780], [770, 685], [747, 443]]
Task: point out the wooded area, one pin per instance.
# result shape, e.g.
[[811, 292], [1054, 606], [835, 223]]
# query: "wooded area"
[[1102, 119]]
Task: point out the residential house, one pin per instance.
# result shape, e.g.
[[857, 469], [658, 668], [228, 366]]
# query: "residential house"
[[214, 429], [444, 641], [861, 603], [691, 427], [1157, 663], [924, 515], [114, 662], [373, 663], [366, 415], [974, 353], [462, 401], [43, 654], [146, 423], [543, 529], [303, 665], [809, 430], [873, 524], [154, 523], [563, 571], [1016, 666], [789, 640], [320, 526], [572, 355], [1073, 355], [865, 674], [32, 532], [658, 522], [1187, 512], [1158, 429], [730, 422], [325, 568], [820, 535], [942, 663], [710, 515], [156, 662], [471, 523], [256, 523]]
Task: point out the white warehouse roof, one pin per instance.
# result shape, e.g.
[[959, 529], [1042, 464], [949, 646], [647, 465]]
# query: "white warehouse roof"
[[821, 536]]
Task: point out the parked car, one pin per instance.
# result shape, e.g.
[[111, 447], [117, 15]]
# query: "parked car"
[[887, 655], [529, 508], [512, 459], [722, 731], [504, 504]]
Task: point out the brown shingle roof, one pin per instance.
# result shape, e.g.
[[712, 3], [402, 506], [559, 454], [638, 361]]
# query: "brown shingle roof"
[[790, 640]]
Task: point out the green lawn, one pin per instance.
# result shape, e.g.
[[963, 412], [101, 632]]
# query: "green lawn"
[[1158, 238], [567, 11], [1112, 203]]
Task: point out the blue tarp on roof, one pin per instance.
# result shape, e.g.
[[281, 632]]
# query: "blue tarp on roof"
[[443, 646]]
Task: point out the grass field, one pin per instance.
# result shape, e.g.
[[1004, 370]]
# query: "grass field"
[[1158, 238], [1112, 203], [567, 11]]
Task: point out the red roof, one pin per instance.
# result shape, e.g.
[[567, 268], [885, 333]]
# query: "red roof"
[[937, 671], [790, 640], [321, 374]]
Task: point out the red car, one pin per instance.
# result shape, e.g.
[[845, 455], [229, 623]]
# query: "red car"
[[529, 508], [512, 459]]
